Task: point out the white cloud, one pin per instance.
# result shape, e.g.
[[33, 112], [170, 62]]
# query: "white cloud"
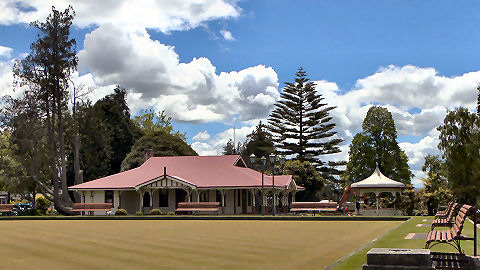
[[161, 15], [215, 145], [227, 35], [189, 92], [201, 136], [418, 99], [5, 51]]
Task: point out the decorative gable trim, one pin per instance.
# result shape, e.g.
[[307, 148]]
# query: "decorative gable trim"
[[166, 181]]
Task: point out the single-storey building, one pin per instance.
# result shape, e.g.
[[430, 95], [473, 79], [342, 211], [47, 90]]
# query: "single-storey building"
[[163, 182]]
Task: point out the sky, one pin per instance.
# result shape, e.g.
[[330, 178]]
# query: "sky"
[[217, 64]]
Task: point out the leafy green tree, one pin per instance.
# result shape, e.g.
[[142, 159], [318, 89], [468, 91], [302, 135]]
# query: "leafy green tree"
[[149, 122], [409, 200], [13, 177], [259, 142], [162, 144], [45, 73], [229, 148], [459, 141], [435, 191], [301, 125], [305, 174], [375, 146]]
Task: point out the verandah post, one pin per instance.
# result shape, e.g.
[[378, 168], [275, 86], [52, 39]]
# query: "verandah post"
[[474, 231]]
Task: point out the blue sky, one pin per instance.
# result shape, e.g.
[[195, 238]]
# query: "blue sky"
[[217, 62]]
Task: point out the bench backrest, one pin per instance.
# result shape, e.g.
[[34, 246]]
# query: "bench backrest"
[[314, 205], [452, 211], [198, 204], [460, 219], [6, 206], [92, 206]]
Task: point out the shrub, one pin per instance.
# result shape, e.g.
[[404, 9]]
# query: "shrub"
[[138, 213], [171, 213], [41, 205], [121, 212], [155, 212]]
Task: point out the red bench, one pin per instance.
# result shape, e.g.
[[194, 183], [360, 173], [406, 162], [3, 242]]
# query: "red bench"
[[6, 208], [198, 207], [329, 207], [444, 213], [91, 207], [445, 222], [453, 236]]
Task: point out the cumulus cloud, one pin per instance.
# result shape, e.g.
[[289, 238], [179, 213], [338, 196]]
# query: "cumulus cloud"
[[227, 35], [417, 97], [5, 51], [161, 15], [189, 92], [215, 145], [201, 136], [6, 79]]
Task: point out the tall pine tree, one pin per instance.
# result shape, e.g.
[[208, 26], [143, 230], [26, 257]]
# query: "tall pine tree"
[[301, 125]]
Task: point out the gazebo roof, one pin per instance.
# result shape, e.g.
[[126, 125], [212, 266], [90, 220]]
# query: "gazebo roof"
[[377, 180]]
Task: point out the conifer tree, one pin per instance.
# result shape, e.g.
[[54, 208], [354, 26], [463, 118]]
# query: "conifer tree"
[[301, 126]]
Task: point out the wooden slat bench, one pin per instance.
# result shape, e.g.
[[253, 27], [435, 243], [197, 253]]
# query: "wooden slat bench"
[[329, 207], [6, 208], [198, 207], [91, 207], [452, 261], [445, 222], [453, 236], [444, 213]]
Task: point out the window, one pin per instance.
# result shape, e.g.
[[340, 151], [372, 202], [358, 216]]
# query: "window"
[[249, 196], [163, 197], [238, 197], [108, 196]]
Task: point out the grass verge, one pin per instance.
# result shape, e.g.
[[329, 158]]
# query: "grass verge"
[[395, 239]]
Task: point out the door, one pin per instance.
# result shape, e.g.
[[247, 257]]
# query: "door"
[[179, 196], [244, 201]]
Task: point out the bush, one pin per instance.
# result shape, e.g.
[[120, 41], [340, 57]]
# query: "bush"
[[121, 212], [41, 205], [155, 212], [138, 213], [171, 213]]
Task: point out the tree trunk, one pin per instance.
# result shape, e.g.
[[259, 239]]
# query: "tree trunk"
[[76, 153]]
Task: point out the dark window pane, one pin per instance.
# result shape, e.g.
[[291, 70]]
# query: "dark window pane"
[[108, 196], [163, 198]]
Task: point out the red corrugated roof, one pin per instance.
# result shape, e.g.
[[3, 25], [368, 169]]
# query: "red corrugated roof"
[[200, 171]]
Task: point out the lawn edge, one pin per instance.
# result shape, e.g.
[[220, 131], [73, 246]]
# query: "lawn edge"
[[331, 266], [258, 218]]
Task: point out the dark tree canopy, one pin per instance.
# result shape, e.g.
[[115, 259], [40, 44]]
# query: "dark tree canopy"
[[229, 148], [162, 144], [460, 141], [305, 175], [107, 134], [259, 142], [301, 126], [376, 146]]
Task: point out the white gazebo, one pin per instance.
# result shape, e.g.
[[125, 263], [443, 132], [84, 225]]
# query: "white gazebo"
[[377, 183]]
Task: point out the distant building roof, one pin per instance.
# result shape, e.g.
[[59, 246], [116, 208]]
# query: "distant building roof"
[[378, 180], [199, 171]]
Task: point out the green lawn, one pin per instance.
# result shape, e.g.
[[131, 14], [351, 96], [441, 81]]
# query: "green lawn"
[[395, 239], [182, 244]]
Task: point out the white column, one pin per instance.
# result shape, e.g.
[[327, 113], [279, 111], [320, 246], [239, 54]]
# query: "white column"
[[188, 194], [151, 198], [198, 195], [253, 197]]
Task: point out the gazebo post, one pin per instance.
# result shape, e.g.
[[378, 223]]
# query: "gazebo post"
[[376, 197]]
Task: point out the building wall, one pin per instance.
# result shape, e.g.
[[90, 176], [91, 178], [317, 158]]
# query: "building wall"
[[130, 201]]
